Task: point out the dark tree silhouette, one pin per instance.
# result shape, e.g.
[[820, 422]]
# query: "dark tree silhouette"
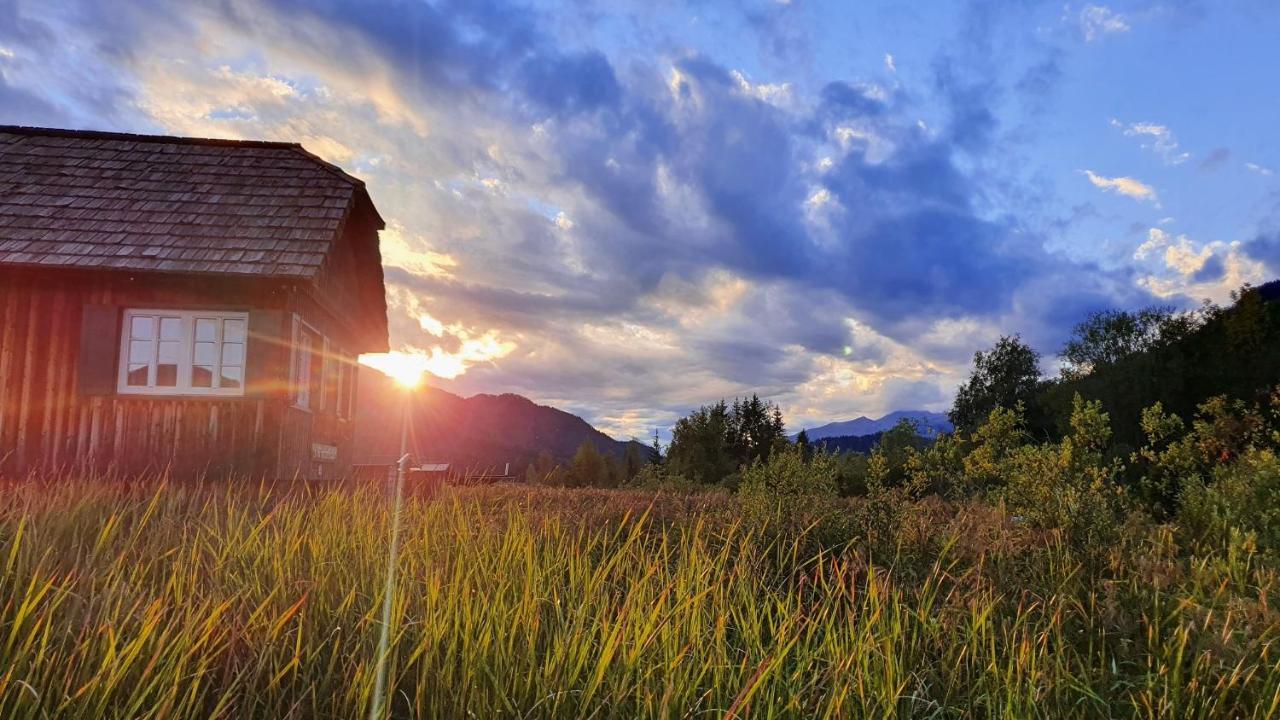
[[1004, 376], [714, 441]]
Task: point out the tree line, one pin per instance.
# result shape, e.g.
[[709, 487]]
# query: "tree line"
[[1129, 366]]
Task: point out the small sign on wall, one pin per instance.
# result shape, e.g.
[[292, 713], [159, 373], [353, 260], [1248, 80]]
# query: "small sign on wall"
[[321, 452]]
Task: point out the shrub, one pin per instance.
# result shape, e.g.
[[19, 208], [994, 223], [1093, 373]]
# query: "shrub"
[[1173, 457], [993, 442], [1070, 486], [662, 478], [789, 496], [938, 468], [1241, 503]]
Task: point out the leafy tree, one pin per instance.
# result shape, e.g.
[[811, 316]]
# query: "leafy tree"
[[589, 468], [891, 455], [1109, 336], [1002, 377], [631, 461], [544, 471], [713, 442], [702, 445]]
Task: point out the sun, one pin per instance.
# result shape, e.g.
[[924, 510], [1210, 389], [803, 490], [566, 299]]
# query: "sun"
[[405, 369]]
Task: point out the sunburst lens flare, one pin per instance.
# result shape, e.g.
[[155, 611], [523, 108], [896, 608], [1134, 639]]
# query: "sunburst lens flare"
[[404, 369]]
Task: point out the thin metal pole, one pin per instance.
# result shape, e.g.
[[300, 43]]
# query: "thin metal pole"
[[384, 636]]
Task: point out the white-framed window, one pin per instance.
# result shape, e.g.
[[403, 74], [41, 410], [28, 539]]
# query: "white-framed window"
[[183, 352], [307, 376], [329, 376], [345, 394]]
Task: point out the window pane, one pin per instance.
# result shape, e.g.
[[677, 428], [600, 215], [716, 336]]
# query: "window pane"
[[232, 354], [169, 352], [233, 331], [170, 328], [140, 351], [167, 362], [137, 376], [166, 375], [206, 329], [142, 328], [201, 376], [231, 377], [206, 353]]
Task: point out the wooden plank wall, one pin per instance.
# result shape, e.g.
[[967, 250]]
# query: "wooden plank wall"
[[47, 425]]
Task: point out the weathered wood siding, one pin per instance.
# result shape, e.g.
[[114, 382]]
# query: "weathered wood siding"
[[47, 423]]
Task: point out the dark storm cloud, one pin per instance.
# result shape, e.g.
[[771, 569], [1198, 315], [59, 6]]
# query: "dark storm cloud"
[[913, 245], [1212, 270], [669, 170], [1266, 249], [909, 239], [570, 83]]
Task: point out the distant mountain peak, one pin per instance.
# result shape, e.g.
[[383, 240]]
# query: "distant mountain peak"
[[929, 424], [481, 431]]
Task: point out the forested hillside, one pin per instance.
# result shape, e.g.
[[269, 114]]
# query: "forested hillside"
[[479, 432]]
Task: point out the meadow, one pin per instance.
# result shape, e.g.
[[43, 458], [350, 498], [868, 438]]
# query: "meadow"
[[150, 599]]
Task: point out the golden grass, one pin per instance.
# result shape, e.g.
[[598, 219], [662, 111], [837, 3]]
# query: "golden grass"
[[171, 600]]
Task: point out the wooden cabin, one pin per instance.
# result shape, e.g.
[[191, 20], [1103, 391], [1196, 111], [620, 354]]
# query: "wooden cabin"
[[178, 303]]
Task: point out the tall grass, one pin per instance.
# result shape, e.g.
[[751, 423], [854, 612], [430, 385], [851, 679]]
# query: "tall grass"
[[173, 600]]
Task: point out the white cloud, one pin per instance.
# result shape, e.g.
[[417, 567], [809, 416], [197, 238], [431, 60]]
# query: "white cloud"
[[820, 197], [1155, 137], [1185, 258], [888, 63], [1260, 169], [859, 135], [775, 94], [1099, 20], [1178, 269], [1156, 239], [1127, 186]]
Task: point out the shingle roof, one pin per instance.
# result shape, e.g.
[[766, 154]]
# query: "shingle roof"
[[86, 199]]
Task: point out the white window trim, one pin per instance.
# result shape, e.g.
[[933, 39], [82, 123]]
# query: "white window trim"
[[184, 387], [296, 382], [345, 390]]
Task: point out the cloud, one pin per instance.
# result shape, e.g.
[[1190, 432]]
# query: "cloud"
[[1158, 138], [1127, 186], [1097, 21], [624, 236], [1265, 248], [1181, 267], [1259, 169]]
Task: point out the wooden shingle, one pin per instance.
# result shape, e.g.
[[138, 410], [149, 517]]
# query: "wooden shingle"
[[139, 202]]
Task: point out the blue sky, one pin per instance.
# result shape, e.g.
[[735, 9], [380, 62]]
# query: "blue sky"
[[630, 209]]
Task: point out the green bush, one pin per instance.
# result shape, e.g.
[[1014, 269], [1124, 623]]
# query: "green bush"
[[993, 442], [789, 495], [1240, 504], [1069, 486]]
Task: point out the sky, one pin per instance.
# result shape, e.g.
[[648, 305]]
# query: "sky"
[[630, 209]]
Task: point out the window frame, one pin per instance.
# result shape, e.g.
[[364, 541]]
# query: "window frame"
[[186, 352], [304, 394], [344, 401]]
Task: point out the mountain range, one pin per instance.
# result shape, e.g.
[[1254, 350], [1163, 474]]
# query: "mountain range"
[[481, 432], [928, 424], [485, 432]]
